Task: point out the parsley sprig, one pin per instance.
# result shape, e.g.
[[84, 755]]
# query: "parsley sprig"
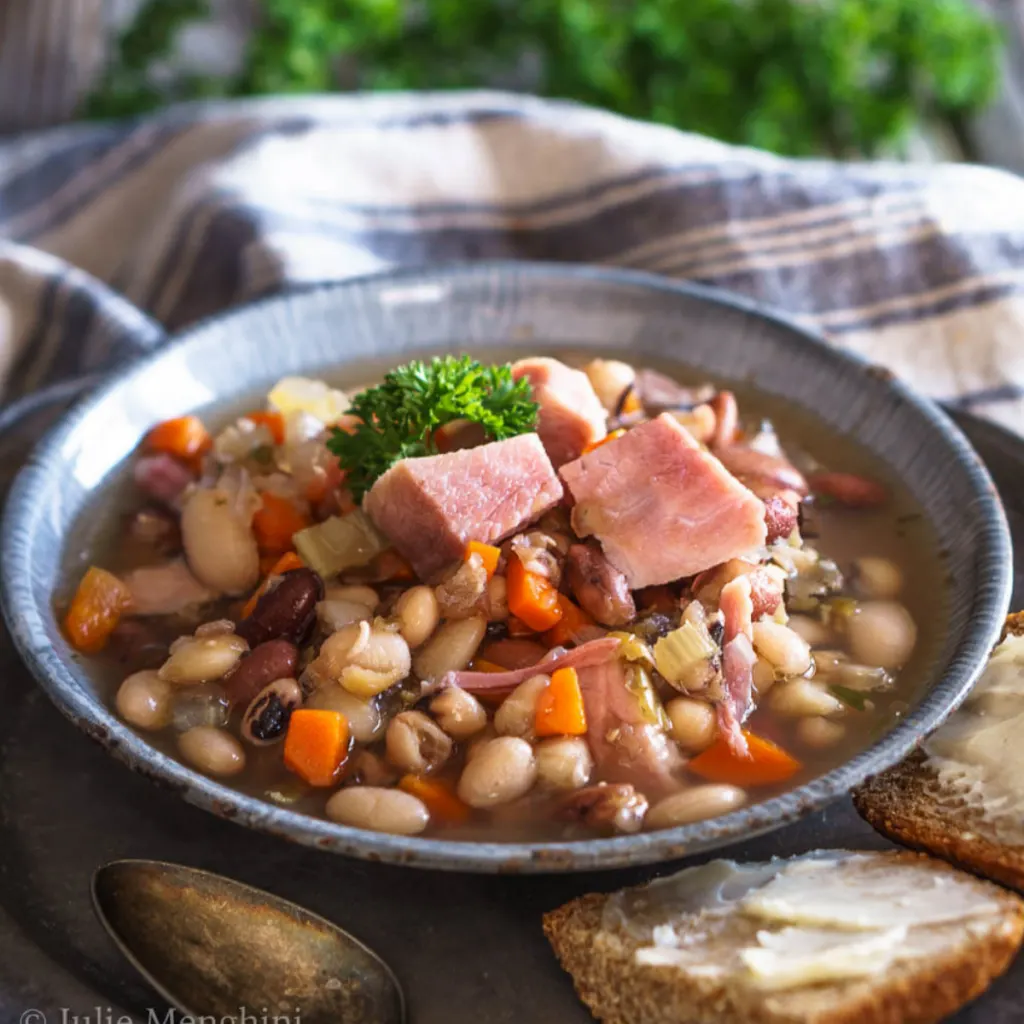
[[401, 416]]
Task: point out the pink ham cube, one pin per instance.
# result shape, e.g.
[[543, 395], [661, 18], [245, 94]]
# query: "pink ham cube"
[[662, 507], [571, 415], [430, 507]]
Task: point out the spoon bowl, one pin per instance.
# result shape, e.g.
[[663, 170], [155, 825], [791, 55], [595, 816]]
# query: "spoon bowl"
[[215, 947]]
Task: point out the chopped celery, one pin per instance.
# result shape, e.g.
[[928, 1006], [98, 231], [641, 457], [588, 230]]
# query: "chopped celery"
[[683, 651], [339, 543]]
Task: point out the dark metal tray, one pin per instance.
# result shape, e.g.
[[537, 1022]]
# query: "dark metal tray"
[[467, 948]]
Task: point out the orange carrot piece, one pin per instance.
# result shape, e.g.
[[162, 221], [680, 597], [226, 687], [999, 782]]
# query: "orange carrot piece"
[[184, 437], [285, 563], [570, 627], [444, 806], [614, 435], [273, 421], [95, 610], [531, 597], [767, 763], [390, 565], [483, 665], [489, 555], [316, 745], [518, 628], [275, 523], [560, 709]]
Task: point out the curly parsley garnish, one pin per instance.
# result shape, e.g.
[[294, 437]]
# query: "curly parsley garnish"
[[400, 418]]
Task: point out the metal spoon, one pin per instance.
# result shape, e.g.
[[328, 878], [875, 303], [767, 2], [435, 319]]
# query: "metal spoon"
[[211, 946]]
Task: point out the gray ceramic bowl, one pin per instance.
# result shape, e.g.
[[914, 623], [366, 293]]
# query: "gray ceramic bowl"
[[534, 307]]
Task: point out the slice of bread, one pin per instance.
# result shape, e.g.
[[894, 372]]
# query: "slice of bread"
[[908, 805], [599, 950]]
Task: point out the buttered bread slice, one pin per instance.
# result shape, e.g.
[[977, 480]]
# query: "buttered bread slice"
[[961, 796], [828, 938]]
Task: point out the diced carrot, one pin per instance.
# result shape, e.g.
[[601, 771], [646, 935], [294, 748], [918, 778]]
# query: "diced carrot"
[[660, 599], [631, 404], [569, 629], [284, 563], [275, 523], [489, 555], [443, 804], [273, 421], [184, 437], [483, 665], [390, 565], [560, 709], [604, 440], [531, 597], [95, 610], [767, 763], [316, 745], [518, 628]]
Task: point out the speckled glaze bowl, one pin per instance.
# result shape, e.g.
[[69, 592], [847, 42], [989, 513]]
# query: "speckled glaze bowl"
[[370, 322]]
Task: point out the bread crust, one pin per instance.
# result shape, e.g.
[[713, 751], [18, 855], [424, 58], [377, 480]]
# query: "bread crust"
[[619, 991], [901, 803]]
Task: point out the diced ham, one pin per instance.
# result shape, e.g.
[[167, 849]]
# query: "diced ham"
[[781, 514], [162, 477], [571, 415], [626, 746], [738, 661], [594, 652], [165, 589], [662, 508], [430, 507]]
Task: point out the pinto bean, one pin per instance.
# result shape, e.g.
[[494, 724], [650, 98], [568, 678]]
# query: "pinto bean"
[[144, 700], [266, 718], [850, 490], [599, 587], [752, 466], [607, 805], [275, 659], [780, 517], [287, 610]]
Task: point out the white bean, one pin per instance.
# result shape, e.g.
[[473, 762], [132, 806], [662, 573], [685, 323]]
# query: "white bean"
[[199, 660], [418, 614], [355, 594], [518, 710], [335, 615], [882, 633], [365, 659], [497, 599], [801, 698], [819, 733], [784, 648], [144, 700], [811, 630], [365, 721], [609, 378], [212, 751], [501, 771], [451, 648], [564, 762], [764, 676], [416, 743], [219, 542], [694, 723], [380, 810], [695, 804], [459, 713], [876, 577]]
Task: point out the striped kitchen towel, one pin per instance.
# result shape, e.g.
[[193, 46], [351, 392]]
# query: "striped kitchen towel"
[[116, 233]]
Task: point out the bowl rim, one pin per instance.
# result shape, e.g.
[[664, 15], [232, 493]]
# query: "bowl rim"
[[25, 620]]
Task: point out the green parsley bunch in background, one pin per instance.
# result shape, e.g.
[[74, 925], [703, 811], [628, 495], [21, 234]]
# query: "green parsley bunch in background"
[[838, 77]]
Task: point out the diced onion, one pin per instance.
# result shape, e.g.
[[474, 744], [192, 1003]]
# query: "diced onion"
[[300, 394]]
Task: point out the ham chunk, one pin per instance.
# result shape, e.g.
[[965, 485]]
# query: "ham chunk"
[[430, 507], [662, 508], [571, 415]]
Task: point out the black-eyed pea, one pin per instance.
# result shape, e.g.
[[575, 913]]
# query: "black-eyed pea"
[[213, 751], [459, 713], [695, 804], [563, 762], [145, 700], [502, 770], [416, 743], [266, 719], [378, 809]]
